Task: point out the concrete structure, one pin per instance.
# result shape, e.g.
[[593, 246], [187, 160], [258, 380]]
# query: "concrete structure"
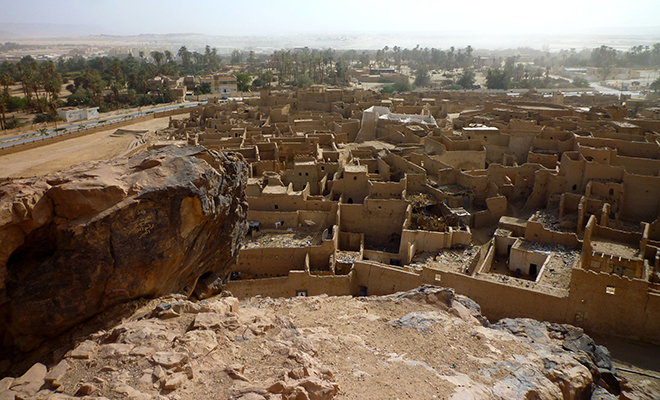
[[220, 83], [73, 114]]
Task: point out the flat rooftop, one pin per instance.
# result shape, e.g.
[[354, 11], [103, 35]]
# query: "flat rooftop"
[[612, 248], [275, 189], [282, 238], [355, 168]]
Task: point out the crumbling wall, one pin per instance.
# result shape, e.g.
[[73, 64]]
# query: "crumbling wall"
[[381, 221], [535, 232], [295, 283], [641, 198], [602, 302]]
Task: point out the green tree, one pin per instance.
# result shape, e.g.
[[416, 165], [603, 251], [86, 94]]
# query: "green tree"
[[605, 58], [236, 57], [185, 57], [168, 56], [580, 82], [341, 68], [243, 82], [466, 80], [3, 118], [158, 58], [655, 85], [402, 85], [205, 88], [422, 77], [497, 79], [304, 79]]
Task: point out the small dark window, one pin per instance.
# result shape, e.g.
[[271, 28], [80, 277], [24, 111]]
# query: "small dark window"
[[377, 172], [611, 192], [276, 207], [350, 200], [574, 187], [306, 173], [355, 178], [299, 173]]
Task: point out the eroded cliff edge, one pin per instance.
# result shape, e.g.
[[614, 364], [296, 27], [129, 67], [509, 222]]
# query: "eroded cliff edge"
[[76, 242]]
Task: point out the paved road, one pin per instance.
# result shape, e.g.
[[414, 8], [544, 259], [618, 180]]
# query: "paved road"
[[7, 141], [606, 90]]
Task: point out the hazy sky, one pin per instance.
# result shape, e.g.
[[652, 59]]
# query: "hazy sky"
[[286, 17]]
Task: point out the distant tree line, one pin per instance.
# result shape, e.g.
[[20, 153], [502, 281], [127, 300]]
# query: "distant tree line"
[[105, 82], [113, 82]]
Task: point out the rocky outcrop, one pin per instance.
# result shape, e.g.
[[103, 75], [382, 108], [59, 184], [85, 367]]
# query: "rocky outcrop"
[[422, 344], [562, 337], [76, 242]]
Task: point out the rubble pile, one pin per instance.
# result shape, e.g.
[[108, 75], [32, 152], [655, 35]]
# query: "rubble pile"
[[551, 222], [287, 238], [566, 253], [428, 223], [458, 255], [420, 200], [347, 256]]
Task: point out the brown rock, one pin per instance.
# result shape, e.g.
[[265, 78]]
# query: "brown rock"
[[78, 241], [169, 359], [573, 378], [167, 314], [175, 381], [86, 389], [8, 395], [235, 371], [318, 389], [277, 387], [57, 372], [141, 351], [114, 350], [31, 381], [252, 396], [5, 383], [85, 350], [159, 372], [208, 320]]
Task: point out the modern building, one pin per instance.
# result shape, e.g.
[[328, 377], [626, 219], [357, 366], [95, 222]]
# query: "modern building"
[[73, 114]]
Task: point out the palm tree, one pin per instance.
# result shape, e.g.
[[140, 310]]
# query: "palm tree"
[[116, 87], [143, 88], [158, 57], [6, 81], [3, 119], [184, 55]]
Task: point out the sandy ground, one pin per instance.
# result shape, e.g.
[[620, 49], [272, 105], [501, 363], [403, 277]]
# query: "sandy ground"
[[55, 157]]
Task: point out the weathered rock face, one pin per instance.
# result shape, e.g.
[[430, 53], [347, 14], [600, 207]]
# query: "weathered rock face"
[[78, 241]]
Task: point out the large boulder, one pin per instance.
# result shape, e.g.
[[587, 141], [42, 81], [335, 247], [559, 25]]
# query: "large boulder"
[[78, 241]]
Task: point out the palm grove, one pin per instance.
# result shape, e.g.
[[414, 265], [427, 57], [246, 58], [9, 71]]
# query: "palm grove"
[[112, 83]]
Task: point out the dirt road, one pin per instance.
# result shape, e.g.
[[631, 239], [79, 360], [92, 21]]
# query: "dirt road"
[[55, 157]]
